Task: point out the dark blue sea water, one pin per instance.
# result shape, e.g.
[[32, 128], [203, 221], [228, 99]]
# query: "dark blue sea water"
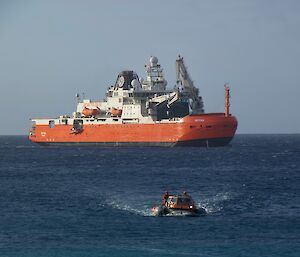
[[97, 201]]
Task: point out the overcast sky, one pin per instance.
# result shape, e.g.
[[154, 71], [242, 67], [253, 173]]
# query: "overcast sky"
[[50, 50]]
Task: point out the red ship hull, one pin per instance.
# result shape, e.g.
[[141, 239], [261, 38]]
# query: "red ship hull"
[[213, 129]]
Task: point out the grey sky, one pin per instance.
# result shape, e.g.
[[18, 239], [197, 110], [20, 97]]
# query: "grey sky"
[[50, 50]]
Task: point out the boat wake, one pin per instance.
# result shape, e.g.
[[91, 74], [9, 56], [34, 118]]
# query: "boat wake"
[[129, 207], [215, 204], [212, 205], [143, 211]]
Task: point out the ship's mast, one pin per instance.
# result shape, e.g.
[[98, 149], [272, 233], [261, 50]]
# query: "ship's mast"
[[227, 103], [155, 80]]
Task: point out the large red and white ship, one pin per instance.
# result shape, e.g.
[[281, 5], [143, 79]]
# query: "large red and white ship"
[[139, 112]]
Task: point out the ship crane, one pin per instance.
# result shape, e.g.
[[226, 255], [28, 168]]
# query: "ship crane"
[[185, 81]]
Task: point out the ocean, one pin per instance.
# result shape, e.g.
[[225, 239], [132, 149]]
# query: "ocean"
[[96, 201]]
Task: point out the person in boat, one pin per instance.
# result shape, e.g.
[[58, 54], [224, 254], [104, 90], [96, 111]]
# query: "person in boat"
[[165, 197], [186, 194]]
